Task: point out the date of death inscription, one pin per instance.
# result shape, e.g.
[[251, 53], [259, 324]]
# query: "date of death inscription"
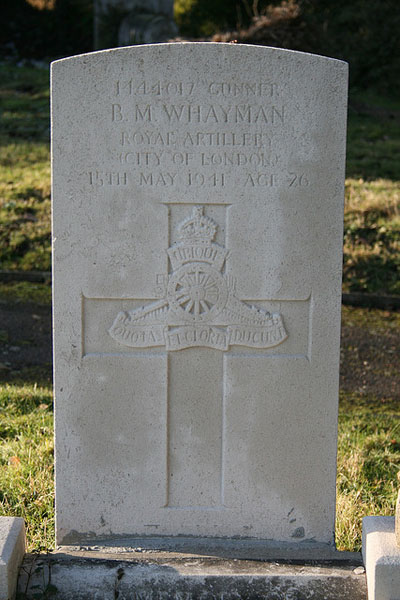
[[162, 136], [158, 178]]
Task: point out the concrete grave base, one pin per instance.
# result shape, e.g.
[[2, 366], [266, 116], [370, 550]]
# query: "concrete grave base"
[[12, 549], [381, 558], [103, 573]]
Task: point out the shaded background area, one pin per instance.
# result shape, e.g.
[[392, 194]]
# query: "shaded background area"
[[363, 33], [45, 29]]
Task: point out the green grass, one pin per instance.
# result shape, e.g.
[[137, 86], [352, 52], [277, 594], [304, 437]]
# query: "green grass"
[[368, 449], [368, 462], [26, 459], [372, 236], [24, 169], [373, 321], [23, 291], [373, 136], [372, 213], [372, 209]]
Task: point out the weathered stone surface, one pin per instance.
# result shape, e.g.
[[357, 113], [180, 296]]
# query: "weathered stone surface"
[[381, 558], [77, 575], [198, 198], [12, 549]]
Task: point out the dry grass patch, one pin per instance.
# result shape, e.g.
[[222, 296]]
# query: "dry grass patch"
[[372, 236], [369, 200]]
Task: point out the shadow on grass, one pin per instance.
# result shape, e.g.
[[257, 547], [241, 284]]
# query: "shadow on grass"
[[24, 101], [373, 138], [41, 375], [373, 274], [355, 403]]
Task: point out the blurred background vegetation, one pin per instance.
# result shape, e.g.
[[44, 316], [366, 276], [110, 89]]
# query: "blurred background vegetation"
[[363, 33]]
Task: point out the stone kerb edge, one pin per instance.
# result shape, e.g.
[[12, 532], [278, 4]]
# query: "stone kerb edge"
[[12, 550]]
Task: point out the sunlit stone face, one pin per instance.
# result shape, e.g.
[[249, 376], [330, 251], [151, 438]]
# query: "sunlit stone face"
[[197, 227]]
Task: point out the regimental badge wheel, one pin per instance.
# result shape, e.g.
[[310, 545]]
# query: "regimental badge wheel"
[[197, 292]]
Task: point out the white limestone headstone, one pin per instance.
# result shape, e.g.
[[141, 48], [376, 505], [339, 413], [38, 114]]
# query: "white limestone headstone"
[[197, 223]]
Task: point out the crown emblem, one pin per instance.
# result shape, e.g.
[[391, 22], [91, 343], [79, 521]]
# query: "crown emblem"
[[197, 229]]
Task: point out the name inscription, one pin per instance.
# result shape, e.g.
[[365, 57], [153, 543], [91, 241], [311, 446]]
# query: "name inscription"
[[197, 113], [163, 138]]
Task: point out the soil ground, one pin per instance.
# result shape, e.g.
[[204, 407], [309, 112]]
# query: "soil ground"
[[25, 342], [370, 349], [370, 355]]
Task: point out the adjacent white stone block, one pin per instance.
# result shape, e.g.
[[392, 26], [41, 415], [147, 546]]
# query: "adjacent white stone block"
[[12, 550], [381, 557], [197, 235]]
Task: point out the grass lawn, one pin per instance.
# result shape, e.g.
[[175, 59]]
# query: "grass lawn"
[[24, 169], [369, 421], [368, 444], [372, 212], [368, 462], [26, 460]]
